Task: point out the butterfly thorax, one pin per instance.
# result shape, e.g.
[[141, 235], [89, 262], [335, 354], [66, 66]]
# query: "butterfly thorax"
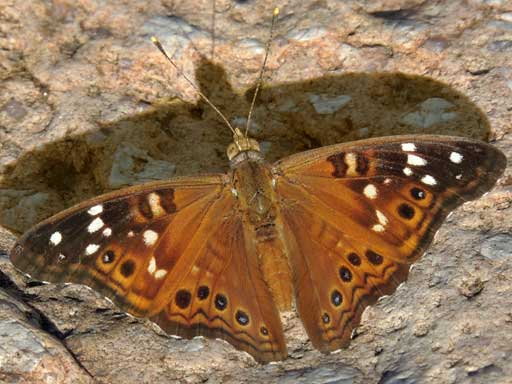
[[253, 189], [253, 186], [252, 182]]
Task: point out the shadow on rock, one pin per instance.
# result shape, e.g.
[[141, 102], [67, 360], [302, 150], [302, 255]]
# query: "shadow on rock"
[[178, 138]]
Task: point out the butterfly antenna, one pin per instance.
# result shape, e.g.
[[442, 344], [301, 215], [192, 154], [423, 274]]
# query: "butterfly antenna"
[[260, 79], [213, 30], [157, 44]]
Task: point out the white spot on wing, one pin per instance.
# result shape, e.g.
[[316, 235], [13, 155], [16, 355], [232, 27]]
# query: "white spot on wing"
[[458, 177], [154, 204], [383, 220], [370, 191], [429, 180], [351, 161], [456, 157], [408, 147], [55, 238], [408, 171], [150, 237], [95, 225], [96, 210], [91, 248], [156, 273], [378, 228], [160, 274], [152, 266], [107, 232], [416, 160], [130, 234]]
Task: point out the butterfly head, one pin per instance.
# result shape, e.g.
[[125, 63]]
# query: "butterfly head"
[[241, 143]]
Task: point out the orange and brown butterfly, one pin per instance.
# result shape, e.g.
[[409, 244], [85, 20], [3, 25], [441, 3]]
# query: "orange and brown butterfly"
[[327, 232]]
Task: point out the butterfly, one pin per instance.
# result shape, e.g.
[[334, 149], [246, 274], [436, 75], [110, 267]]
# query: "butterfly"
[[327, 232]]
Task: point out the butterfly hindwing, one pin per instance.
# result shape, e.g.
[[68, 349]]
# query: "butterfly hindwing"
[[224, 295], [358, 214], [173, 251]]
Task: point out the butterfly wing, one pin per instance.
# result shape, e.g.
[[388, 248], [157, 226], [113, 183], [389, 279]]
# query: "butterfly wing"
[[358, 214], [173, 251]]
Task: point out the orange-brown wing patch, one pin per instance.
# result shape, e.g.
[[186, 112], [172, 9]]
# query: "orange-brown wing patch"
[[220, 292], [358, 214], [173, 251], [107, 243]]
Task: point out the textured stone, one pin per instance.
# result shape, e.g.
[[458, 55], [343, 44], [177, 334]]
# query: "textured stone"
[[28, 353], [133, 166], [497, 247], [326, 105], [431, 111], [80, 82], [471, 286]]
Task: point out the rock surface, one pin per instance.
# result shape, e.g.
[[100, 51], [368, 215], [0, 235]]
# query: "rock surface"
[[88, 104]]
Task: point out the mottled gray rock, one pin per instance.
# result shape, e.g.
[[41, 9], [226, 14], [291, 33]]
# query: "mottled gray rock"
[[326, 104], [28, 353], [174, 32], [305, 35], [497, 247], [432, 111], [133, 166], [21, 209], [81, 79], [324, 375]]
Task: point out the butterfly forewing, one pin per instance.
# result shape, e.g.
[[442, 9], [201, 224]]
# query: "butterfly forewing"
[[107, 242], [173, 251], [358, 214]]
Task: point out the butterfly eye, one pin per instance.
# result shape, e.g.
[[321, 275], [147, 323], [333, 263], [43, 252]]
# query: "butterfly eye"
[[418, 193], [406, 211], [242, 317], [183, 298]]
